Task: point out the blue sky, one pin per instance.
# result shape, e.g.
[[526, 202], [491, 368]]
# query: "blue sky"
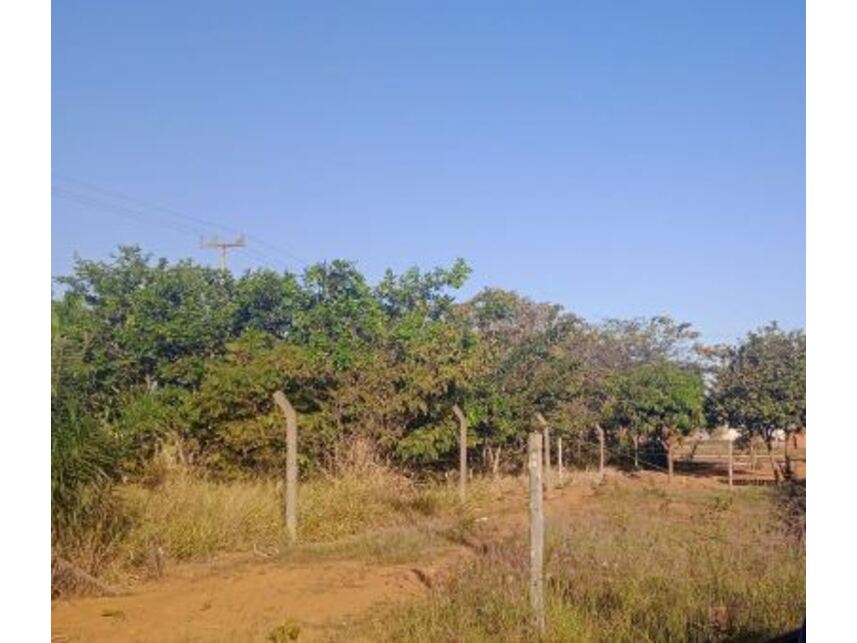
[[620, 158]]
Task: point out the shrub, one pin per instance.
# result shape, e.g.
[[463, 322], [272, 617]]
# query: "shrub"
[[85, 517]]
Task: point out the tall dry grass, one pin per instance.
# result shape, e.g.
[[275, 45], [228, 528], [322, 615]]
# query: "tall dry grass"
[[190, 518], [640, 564]]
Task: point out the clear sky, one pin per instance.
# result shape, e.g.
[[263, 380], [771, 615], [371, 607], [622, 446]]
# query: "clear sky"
[[619, 158]]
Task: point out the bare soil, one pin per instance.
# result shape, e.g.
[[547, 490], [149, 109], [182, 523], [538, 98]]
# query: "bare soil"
[[240, 602]]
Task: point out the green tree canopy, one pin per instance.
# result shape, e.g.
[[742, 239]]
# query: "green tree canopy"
[[760, 385], [657, 399]]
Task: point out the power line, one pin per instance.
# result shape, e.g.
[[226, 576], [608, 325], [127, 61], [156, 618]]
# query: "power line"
[[142, 208], [142, 214], [85, 199], [278, 252]]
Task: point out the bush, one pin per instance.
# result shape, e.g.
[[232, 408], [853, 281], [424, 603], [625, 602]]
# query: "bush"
[[85, 516]]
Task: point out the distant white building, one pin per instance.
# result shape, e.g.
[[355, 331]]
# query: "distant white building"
[[699, 435], [725, 433], [731, 434]]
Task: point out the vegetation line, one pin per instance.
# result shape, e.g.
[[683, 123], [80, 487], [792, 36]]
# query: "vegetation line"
[[160, 367]]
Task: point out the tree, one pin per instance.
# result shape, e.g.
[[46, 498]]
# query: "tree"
[[414, 290], [432, 366], [660, 400], [149, 323], [340, 319], [236, 428], [529, 370], [268, 302], [180, 352], [760, 385]]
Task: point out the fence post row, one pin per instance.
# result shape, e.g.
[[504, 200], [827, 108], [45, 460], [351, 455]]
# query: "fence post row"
[[537, 532], [291, 490]]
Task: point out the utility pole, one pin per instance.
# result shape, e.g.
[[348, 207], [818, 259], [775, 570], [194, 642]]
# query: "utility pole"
[[223, 246]]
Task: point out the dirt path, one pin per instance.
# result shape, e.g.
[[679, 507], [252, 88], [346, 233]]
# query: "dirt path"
[[245, 600], [244, 604]]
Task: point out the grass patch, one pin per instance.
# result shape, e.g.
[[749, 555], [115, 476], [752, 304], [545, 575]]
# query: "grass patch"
[[640, 563], [389, 546], [284, 633]]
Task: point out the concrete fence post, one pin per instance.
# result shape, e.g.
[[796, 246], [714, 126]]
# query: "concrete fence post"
[[291, 490], [537, 532], [546, 442], [462, 452]]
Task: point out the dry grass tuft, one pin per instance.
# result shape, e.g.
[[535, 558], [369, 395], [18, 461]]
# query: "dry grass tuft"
[[189, 518]]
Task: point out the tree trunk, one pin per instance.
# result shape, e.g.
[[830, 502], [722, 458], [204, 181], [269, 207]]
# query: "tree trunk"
[[775, 466], [787, 455], [731, 463], [600, 432], [495, 465], [670, 454], [669, 439], [636, 439], [693, 449]]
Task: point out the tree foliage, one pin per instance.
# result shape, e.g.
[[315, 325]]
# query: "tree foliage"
[[149, 355], [760, 385], [657, 399]]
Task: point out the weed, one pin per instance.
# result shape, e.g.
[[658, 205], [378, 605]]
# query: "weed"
[[289, 631]]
